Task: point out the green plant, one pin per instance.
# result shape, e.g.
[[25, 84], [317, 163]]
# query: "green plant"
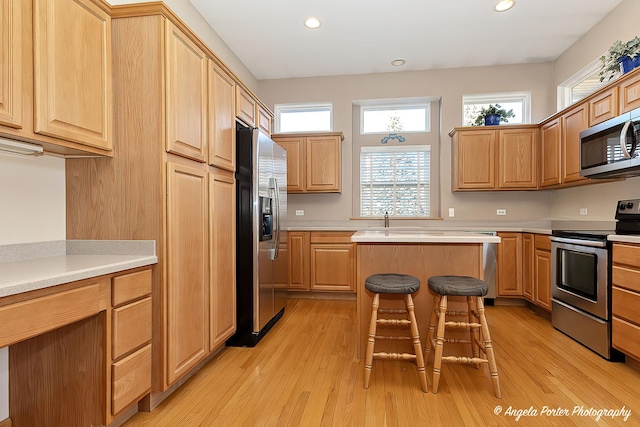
[[610, 60], [493, 110]]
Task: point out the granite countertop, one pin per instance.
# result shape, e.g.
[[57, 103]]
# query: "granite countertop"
[[31, 266], [421, 236]]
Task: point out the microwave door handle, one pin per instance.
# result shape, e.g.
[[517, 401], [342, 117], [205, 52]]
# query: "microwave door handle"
[[623, 139]]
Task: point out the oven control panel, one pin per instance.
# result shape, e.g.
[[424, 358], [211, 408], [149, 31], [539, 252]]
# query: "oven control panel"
[[628, 217], [628, 207]]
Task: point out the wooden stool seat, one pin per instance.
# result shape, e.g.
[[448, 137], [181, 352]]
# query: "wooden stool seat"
[[480, 339], [394, 284]]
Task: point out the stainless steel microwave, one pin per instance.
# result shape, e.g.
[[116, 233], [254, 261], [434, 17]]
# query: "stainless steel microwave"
[[609, 149]]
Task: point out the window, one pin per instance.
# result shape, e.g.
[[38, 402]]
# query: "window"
[[395, 118], [580, 85], [395, 179], [304, 117], [519, 102]]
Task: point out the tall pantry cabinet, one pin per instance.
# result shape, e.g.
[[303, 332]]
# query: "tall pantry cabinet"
[[171, 180]]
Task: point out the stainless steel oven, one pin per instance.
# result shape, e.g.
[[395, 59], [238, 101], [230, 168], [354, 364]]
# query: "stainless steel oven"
[[581, 288]]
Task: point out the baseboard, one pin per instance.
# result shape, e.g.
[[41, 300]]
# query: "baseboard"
[[124, 416], [6, 423], [515, 302], [346, 296], [629, 361], [151, 401]]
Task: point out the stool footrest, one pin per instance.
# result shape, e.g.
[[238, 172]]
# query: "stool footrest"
[[463, 360], [457, 313], [394, 356], [462, 325], [393, 322], [389, 337], [392, 311]]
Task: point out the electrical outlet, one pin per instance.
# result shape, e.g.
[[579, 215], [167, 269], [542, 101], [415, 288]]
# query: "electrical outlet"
[[501, 212], [452, 212], [583, 211], [299, 212]]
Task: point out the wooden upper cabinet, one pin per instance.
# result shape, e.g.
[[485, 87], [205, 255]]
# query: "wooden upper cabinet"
[[186, 95], [510, 265], [323, 164], [222, 237], [518, 160], [222, 130], [551, 153], [72, 71], [629, 92], [474, 157], [245, 107], [11, 64], [314, 161], [264, 119], [295, 163], [573, 122], [603, 107], [187, 269]]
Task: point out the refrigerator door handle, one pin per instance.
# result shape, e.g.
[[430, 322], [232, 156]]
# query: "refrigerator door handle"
[[276, 213]]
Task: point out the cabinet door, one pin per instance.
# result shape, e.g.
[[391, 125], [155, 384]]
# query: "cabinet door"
[[222, 238], [11, 64], [518, 160], [332, 267], [603, 107], [187, 269], [298, 245], [323, 163], [222, 122], [295, 163], [245, 107], [629, 94], [510, 265], [551, 151], [543, 279], [574, 122], [72, 73], [281, 266], [528, 266], [475, 160], [186, 95], [264, 119]]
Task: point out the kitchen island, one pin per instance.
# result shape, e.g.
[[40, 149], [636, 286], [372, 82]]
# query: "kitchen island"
[[420, 253]]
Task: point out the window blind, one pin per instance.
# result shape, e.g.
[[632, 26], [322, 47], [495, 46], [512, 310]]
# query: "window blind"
[[395, 179]]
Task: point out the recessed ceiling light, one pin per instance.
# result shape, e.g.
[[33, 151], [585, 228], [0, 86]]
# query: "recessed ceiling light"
[[312, 23], [504, 5], [398, 62]]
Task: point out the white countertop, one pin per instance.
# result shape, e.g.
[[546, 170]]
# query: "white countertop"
[[32, 266], [623, 238], [421, 236]]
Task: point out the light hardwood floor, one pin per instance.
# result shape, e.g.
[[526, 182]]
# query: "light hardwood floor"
[[306, 373]]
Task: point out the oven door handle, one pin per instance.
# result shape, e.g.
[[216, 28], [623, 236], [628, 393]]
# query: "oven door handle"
[[580, 242]]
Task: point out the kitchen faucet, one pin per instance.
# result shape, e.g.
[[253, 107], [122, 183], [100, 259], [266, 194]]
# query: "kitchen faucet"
[[386, 220]]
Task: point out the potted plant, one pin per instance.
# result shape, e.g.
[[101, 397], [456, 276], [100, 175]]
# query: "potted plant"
[[493, 115], [621, 57]]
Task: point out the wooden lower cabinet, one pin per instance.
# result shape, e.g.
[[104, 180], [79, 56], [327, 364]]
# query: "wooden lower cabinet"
[[93, 358], [510, 265], [321, 261], [625, 299], [281, 264], [528, 266], [542, 294]]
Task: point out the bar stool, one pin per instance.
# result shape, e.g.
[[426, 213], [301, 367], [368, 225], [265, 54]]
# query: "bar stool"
[[480, 339], [394, 284]]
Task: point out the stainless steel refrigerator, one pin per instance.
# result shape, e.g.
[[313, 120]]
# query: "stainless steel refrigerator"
[[261, 197]]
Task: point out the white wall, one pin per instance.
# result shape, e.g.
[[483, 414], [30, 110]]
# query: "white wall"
[[32, 209]]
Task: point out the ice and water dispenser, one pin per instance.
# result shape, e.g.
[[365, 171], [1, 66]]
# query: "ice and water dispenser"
[[266, 213]]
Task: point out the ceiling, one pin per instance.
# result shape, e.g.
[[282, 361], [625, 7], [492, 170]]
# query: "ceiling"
[[364, 36]]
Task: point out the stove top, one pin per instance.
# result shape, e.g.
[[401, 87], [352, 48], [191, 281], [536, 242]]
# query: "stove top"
[[628, 217], [598, 235]]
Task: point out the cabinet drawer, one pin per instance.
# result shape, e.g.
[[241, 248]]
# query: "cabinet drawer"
[[27, 319], [331, 237], [131, 327], [626, 254], [131, 379], [542, 242], [625, 337], [625, 304], [130, 287], [626, 278]]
